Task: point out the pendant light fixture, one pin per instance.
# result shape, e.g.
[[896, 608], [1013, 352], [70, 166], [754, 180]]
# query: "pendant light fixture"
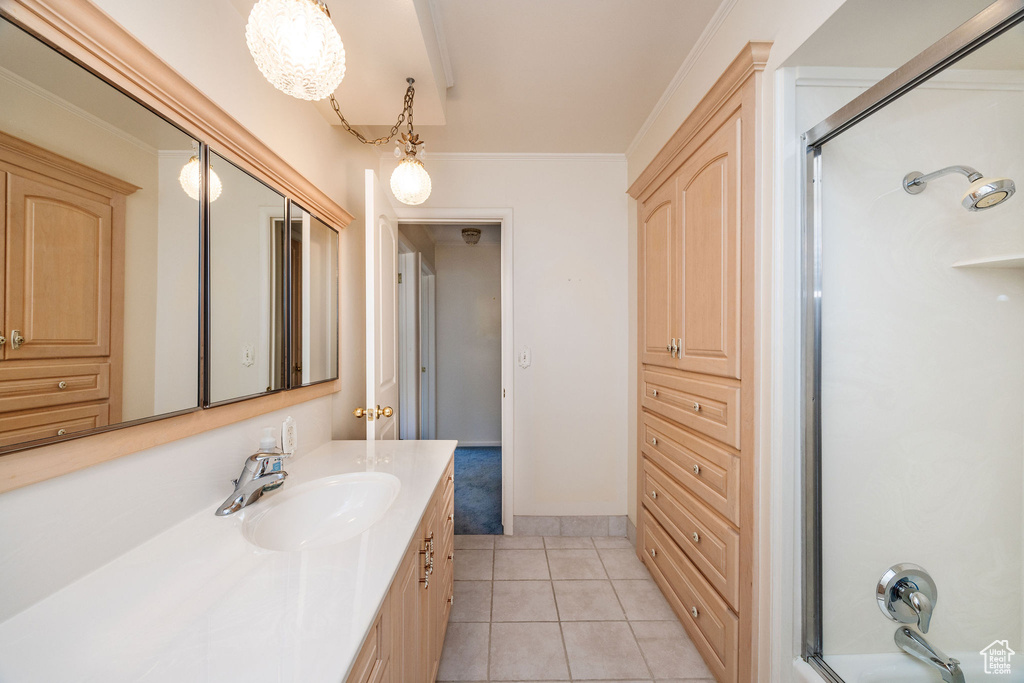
[[410, 182], [192, 174], [296, 47]]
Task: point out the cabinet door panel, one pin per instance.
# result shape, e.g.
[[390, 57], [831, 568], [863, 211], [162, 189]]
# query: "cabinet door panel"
[[407, 661], [58, 277], [707, 242], [655, 276]]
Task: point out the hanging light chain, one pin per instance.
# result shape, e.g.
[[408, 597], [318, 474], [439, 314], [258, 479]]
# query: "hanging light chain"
[[406, 115]]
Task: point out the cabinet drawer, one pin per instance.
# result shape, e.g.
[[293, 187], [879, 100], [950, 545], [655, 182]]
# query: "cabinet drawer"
[[710, 543], [44, 385], [707, 405], [709, 472], [448, 480], [705, 616], [371, 662], [48, 423]]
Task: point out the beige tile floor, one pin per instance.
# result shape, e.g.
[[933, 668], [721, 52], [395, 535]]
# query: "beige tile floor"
[[551, 609]]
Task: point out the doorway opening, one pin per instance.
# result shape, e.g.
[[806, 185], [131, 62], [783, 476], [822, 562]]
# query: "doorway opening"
[[450, 313]]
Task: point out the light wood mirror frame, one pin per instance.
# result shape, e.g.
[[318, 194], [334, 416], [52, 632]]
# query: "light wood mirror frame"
[[87, 35]]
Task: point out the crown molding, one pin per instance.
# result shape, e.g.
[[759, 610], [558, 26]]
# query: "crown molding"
[[714, 24]]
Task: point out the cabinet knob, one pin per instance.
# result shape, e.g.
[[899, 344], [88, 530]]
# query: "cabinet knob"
[[654, 440], [3, 339], [16, 339], [62, 384], [696, 537], [696, 470], [654, 495], [451, 517], [451, 478], [654, 553], [451, 556], [696, 407], [451, 599], [654, 393], [694, 613], [61, 432]]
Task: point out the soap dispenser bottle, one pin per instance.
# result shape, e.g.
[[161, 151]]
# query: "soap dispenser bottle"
[[268, 446]]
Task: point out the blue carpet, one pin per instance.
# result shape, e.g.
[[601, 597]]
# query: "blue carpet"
[[478, 491]]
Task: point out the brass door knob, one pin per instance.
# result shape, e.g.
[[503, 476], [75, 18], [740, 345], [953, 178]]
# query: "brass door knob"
[[363, 412], [386, 411]]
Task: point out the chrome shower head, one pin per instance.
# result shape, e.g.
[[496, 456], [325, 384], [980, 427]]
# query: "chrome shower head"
[[984, 193]]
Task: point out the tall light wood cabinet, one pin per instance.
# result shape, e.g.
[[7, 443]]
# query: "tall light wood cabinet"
[[62, 294], [697, 463]]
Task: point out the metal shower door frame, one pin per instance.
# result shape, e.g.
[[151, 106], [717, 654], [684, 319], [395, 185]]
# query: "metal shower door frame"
[[987, 25]]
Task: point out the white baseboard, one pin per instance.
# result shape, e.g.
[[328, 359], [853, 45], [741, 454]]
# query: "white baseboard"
[[479, 444]]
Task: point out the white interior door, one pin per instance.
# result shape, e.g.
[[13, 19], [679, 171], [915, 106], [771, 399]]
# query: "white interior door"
[[382, 388]]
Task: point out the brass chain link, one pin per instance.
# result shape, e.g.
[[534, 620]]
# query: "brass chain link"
[[406, 115]]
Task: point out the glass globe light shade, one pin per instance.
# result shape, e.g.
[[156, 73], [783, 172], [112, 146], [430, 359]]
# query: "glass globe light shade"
[[296, 47], [190, 176], [410, 182]]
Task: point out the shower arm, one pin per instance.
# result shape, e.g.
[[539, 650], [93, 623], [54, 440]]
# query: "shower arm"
[[922, 180]]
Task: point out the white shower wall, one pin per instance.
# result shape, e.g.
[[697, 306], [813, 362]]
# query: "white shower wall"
[[923, 370]]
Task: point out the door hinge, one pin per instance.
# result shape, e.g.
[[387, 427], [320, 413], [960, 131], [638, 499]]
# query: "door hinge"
[[399, 278]]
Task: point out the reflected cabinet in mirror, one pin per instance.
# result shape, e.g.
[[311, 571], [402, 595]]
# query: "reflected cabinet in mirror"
[[100, 290], [246, 284], [313, 283]]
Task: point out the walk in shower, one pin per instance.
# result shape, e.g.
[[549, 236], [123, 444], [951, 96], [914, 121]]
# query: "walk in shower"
[[914, 362]]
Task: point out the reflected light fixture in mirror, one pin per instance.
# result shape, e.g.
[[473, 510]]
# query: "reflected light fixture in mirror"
[[296, 47], [191, 176]]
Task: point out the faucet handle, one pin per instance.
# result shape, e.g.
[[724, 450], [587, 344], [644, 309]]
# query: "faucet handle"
[[907, 594]]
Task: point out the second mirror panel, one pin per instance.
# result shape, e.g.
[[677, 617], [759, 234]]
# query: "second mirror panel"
[[314, 299], [246, 285]]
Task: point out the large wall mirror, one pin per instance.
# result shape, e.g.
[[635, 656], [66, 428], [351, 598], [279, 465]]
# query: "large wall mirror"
[[144, 275], [101, 260]]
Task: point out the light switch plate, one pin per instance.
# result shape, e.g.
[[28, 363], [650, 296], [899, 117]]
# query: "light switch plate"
[[525, 357], [248, 355]]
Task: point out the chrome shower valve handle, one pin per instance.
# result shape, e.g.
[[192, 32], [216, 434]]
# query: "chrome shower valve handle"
[[906, 593]]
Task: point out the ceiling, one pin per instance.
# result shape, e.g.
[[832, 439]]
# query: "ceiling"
[[539, 76]]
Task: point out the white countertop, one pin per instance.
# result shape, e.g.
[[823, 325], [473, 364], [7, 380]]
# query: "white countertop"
[[199, 603]]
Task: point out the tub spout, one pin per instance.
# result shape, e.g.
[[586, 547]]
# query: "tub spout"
[[914, 644]]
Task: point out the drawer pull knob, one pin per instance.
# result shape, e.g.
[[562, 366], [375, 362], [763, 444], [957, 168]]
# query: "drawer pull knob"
[[696, 470], [451, 517], [654, 553], [62, 384], [451, 556], [654, 440], [16, 339], [694, 613], [654, 495], [654, 393], [451, 599], [696, 537], [61, 432], [451, 478], [696, 407]]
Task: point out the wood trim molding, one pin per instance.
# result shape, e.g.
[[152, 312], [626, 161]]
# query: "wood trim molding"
[[751, 59], [86, 34], [45, 462], [43, 161]]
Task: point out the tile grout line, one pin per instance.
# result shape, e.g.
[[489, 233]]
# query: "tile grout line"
[[625, 616], [558, 614]]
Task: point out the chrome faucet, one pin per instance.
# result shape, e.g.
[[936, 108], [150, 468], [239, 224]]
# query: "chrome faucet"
[[914, 644], [252, 481]]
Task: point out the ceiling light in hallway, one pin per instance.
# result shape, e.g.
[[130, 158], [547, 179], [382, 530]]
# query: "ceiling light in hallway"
[[191, 176]]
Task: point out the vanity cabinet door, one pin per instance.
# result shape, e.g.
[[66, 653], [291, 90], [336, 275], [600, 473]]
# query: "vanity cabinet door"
[[407, 654]]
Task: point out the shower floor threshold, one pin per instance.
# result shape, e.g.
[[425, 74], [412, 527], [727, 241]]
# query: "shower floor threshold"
[[1001, 261]]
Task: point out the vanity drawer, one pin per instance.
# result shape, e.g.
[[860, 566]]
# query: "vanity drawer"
[[448, 479], [42, 385], [709, 472], [44, 424], [710, 406], [712, 626], [710, 543], [371, 663]]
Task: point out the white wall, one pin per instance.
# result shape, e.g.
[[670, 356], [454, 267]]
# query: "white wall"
[[570, 262], [101, 512], [469, 343], [923, 379]]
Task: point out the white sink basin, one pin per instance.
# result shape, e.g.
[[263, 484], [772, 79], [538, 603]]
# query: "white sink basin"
[[321, 512]]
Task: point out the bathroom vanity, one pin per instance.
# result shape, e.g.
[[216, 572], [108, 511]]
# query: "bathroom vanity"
[[203, 602]]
